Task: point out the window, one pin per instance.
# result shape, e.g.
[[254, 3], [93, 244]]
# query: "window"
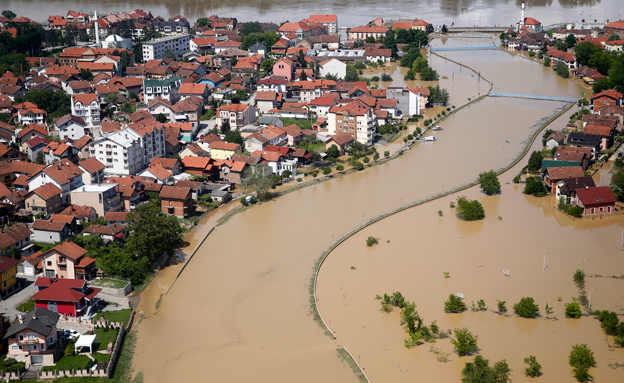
[[49, 263], [21, 337], [15, 347]]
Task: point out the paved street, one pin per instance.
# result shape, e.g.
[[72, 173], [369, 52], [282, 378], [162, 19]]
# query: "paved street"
[[7, 306]]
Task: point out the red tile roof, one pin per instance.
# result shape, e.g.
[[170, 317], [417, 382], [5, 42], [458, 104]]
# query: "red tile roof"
[[596, 196]]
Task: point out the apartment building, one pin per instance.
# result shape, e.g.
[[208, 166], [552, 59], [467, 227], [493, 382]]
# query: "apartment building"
[[355, 118], [87, 107], [155, 49], [103, 198], [121, 152]]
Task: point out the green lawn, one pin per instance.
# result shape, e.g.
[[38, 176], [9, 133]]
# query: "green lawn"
[[101, 358], [109, 282], [75, 362], [103, 337], [26, 306], [116, 316], [317, 147], [43, 247], [300, 122]]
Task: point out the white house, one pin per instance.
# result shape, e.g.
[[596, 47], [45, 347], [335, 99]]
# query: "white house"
[[167, 89], [321, 105], [70, 126], [87, 107], [64, 175], [333, 67], [31, 116]]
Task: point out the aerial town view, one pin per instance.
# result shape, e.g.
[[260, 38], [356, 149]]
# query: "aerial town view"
[[320, 191]]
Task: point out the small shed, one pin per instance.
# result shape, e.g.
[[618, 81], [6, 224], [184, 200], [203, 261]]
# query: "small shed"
[[85, 341]]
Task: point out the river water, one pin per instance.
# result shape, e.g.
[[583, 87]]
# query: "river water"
[[240, 310], [350, 13]]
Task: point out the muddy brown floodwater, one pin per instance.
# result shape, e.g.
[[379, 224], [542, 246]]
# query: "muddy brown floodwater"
[[240, 310]]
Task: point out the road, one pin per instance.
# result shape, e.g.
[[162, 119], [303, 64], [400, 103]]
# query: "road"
[[7, 306]]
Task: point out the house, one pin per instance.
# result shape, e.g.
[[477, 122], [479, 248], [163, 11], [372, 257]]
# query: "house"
[[67, 260], [258, 49], [63, 174], [582, 156], [32, 116], [563, 57], [284, 67], [46, 199], [592, 141], [342, 141], [567, 187], [330, 22], [355, 118], [419, 25], [30, 132], [68, 219], [15, 241], [176, 200], [224, 150], [555, 139], [31, 264], [166, 89], [200, 166], [32, 338], [556, 174], [47, 231], [197, 188], [606, 98], [378, 55], [102, 197], [363, 32], [81, 213], [108, 233], [231, 171], [69, 297], [92, 171], [277, 162], [410, 100], [116, 218], [189, 89], [596, 200], [606, 133], [236, 115], [293, 134], [171, 164], [615, 28], [333, 67], [35, 146], [86, 107], [194, 150], [8, 270], [266, 100], [158, 173]]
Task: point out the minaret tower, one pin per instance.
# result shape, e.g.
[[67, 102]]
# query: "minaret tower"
[[522, 15], [97, 29]]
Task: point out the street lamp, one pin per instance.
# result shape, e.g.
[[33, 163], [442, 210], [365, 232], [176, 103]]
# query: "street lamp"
[[589, 305]]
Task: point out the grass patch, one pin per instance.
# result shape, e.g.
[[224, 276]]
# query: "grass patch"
[[103, 336], [115, 316], [43, 247], [109, 282], [345, 356], [138, 289], [302, 123], [26, 306], [318, 147], [75, 362], [101, 358]]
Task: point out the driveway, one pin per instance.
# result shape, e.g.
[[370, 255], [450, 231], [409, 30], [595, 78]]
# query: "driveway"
[[7, 305]]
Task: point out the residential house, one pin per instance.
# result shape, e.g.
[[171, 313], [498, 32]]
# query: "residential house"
[[231, 171], [363, 32], [197, 188], [606, 133], [35, 146], [272, 84], [355, 118], [176, 200], [102, 197], [606, 98], [419, 25], [8, 270], [574, 154], [190, 89], [556, 174], [342, 141], [171, 164], [86, 107], [377, 55], [46, 231], [333, 67], [277, 161], [330, 22], [92, 171], [108, 233], [410, 100], [116, 218], [555, 139], [31, 131], [302, 29], [284, 67], [67, 260], [15, 241], [224, 150], [81, 213], [33, 338], [158, 174], [567, 187], [592, 141], [615, 28], [58, 152], [69, 297], [563, 57], [63, 174], [46, 199], [321, 105], [596, 200], [293, 135], [166, 89], [32, 116], [266, 100], [31, 264], [237, 115], [9, 153], [194, 150]]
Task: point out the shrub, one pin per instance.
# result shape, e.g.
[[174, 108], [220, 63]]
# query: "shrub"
[[386, 77], [579, 278], [535, 187], [534, 368], [572, 310], [454, 304], [526, 308], [516, 179], [370, 241], [265, 196], [469, 210], [608, 320], [480, 371], [581, 359], [489, 182], [501, 306], [575, 211]]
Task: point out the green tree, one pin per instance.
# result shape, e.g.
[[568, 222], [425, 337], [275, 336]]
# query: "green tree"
[[111, 98], [40, 158], [203, 22], [303, 76], [387, 153], [386, 77], [429, 74], [327, 170], [161, 118], [352, 74], [257, 178], [535, 161], [546, 60], [570, 41], [572, 310], [545, 136], [339, 167], [444, 28], [333, 152], [469, 210], [314, 174], [86, 74], [267, 65], [152, 233], [251, 27], [234, 136], [370, 40], [489, 182], [56, 104], [617, 185], [534, 368], [562, 70], [438, 95], [270, 39], [581, 359], [9, 14], [465, 342], [526, 308], [501, 306], [301, 59], [535, 187], [454, 304], [479, 371]]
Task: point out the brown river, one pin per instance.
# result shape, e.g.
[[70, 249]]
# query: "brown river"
[[240, 310]]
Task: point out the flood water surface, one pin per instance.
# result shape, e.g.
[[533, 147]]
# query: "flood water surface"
[[243, 300]]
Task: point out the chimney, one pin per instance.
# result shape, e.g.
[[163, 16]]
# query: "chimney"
[[20, 318]]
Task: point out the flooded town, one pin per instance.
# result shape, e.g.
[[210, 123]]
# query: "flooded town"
[[332, 191]]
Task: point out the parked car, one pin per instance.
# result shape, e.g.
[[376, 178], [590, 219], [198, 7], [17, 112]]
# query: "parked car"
[[71, 334]]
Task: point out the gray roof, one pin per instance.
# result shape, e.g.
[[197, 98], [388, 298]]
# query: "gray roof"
[[590, 140], [257, 47], [39, 320], [219, 193], [571, 184]]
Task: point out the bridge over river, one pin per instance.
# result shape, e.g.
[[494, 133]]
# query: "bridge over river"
[[480, 28], [532, 96]]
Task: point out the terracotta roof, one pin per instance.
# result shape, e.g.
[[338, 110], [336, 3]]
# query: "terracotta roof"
[[105, 229], [616, 24], [369, 29], [45, 225], [68, 219], [224, 146], [47, 191], [7, 263], [30, 128], [116, 216], [69, 249], [34, 259], [559, 173], [92, 165], [81, 142], [79, 211], [192, 88], [609, 93], [601, 130], [18, 231], [173, 192], [343, 138], [159, 172]]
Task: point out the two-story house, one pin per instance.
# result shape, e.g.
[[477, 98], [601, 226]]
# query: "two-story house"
[[48, 231], [87, 107], [32, 338], [70, 126], [8, 269], [176, 200], [92, 171], [63, 174], [102, 197], [236, 115], [45, 198], [167, 89], [70, 297], [19, 235], [68, 260]]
